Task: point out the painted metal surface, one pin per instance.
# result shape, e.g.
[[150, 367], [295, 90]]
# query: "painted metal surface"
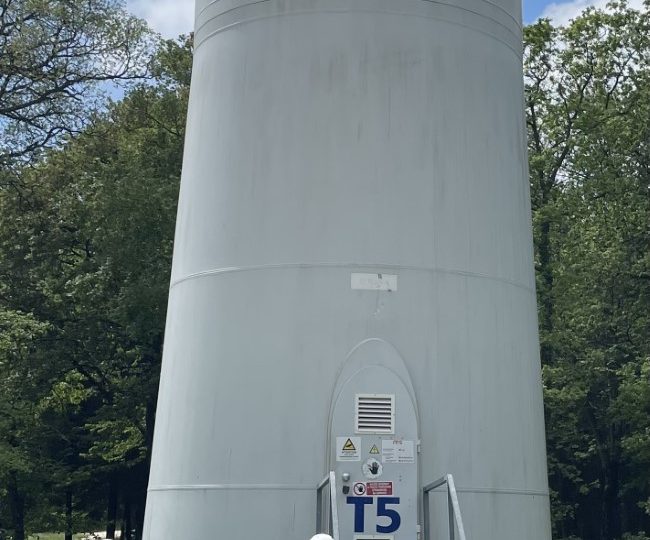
[[335, 137], [387, 501]]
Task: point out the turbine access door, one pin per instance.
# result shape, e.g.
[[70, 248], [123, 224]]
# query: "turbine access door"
[[374, 441]]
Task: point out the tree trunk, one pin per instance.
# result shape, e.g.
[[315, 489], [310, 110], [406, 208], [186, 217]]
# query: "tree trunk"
[[128, 527], [546, 292], [68, 514], [17, 504], [140, 502], [611, 504], [139, 521], [111, 513]]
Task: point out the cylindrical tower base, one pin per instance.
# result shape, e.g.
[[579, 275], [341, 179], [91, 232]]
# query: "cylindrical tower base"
[[335, 137]]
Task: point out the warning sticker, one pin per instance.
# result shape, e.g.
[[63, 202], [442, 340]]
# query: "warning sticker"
[[397, 451], [348, 449], [374, 449], [374, 489], [359, 488], [349, 446]]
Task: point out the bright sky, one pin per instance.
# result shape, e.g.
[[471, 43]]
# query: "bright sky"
[[174, 17]]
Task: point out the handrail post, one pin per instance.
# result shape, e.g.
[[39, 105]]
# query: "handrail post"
[[319, 508], [450, 509], [454, 502], [427, 516], [334, 509]]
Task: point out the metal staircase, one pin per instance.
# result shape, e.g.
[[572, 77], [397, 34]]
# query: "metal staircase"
[[331, 510], [455, 518]]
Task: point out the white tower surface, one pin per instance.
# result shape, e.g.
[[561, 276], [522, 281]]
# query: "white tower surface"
[[354, 224]]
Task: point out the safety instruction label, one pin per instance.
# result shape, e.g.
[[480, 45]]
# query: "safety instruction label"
[[397, 451], [375, 489], [348, 449]]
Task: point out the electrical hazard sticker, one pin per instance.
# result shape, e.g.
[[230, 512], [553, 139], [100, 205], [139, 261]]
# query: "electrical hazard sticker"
[[348, 449], [374, 449]]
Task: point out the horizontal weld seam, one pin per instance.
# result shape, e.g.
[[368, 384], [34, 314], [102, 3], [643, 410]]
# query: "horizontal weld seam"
[[219, 487], [280, 266]]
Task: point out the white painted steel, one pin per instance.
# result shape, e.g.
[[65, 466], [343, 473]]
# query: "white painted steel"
[[326, 138], [375, 367]]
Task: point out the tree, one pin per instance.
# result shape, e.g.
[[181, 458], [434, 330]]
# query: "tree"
[[85, 246], [588, 115], [54, 56], [20, 376]]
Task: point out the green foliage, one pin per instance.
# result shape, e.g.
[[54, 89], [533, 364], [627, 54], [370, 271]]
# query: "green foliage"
[[588, 109], [85, 251], [55, 55], [18, 334]]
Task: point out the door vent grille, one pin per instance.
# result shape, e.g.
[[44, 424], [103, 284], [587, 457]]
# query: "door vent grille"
[[375, 413]]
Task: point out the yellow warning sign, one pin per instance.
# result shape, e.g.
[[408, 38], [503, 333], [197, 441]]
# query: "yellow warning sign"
[[349, 446], [374, 449]]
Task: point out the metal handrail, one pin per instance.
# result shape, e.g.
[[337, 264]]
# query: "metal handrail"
[[452, 504], [333, 528]]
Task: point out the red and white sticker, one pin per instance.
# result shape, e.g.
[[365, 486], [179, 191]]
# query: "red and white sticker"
[[359, 488], [375, 489]]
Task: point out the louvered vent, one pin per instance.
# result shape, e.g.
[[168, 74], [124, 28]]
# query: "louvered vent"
[[375, 413]]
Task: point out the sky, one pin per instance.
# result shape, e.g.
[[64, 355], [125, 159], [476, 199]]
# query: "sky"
[[174, 17]]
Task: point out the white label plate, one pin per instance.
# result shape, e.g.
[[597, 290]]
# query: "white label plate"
[[395, 451], [348, 449], [373, 282]]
